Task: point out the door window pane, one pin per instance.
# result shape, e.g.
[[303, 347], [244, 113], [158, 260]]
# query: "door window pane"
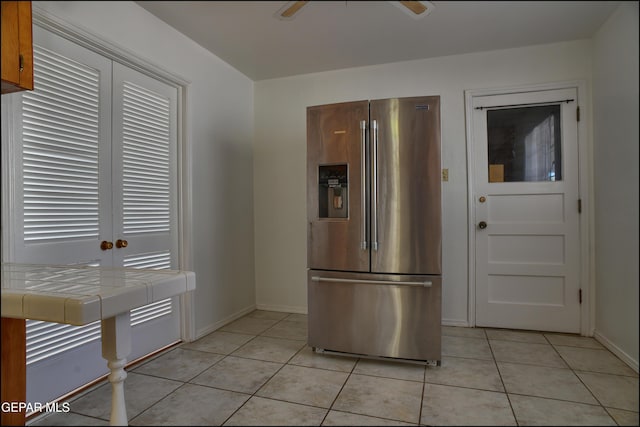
[[524, 144]]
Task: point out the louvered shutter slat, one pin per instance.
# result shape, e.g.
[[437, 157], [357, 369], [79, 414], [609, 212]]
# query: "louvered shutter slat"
[[145, 168], [60, 129], [54, 342], [60, 152], [156, 260]]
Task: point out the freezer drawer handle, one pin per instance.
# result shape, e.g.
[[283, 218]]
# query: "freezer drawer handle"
[[425, 284]]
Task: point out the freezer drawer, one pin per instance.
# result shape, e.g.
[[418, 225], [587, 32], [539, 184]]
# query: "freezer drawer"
[[366, 314]]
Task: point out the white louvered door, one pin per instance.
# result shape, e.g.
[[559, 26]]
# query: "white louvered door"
[[66, 138], [144, 180], [97, 147], [144, 175]]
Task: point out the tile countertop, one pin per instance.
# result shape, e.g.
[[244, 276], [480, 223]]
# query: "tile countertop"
[[78, 295]]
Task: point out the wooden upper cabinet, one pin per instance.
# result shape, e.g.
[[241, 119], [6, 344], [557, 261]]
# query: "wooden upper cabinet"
[[17, 46]]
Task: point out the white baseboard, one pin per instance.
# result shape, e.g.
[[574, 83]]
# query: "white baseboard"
[[283, 308], [219, 324], [455, 322], [633, 364]]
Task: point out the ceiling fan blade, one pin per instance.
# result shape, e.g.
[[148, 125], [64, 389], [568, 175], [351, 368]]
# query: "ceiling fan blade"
[[293, 9], [416, 7]]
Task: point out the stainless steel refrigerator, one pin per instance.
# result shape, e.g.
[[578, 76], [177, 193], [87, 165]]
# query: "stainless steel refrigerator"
[[374, 228]]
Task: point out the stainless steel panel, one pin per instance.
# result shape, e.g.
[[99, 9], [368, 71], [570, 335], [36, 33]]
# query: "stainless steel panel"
[[364, 315], [334, 136], [408, 208]]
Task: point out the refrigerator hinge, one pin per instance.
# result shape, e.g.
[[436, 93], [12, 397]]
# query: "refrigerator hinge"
[[580, 296], [579, 205], [578, 113]]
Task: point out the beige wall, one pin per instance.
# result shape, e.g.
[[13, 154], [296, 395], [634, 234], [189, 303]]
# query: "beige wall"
[[280, 153], [615, 123]]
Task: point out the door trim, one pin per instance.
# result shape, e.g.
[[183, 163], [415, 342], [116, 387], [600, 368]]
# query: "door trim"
[[585, 189]]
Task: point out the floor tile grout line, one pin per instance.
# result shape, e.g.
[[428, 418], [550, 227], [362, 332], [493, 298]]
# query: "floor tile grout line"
[[579, 379], [569, 367], [605, 373], [605, 351], [333, 402], [265, 383], [331, 408], [154, 404], [222, 357], [591, 392], [257, 390], [504, 386], [355, 413], [424, 386], [200, 385], [557, 399], [352, 372]]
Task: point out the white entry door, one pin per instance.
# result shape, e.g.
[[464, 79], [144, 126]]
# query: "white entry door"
[[526, 208]]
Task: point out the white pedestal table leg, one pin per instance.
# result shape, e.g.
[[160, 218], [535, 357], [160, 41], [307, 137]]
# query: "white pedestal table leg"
[[116, 346]]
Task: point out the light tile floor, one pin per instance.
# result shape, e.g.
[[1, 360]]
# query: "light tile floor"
[[258, 370]]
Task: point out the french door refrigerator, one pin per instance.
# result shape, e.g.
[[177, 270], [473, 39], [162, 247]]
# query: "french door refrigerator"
[[374, 228]]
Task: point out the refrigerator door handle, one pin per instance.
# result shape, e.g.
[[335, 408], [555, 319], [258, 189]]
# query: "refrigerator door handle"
[[363, 187], [374, 187], [425, 284]]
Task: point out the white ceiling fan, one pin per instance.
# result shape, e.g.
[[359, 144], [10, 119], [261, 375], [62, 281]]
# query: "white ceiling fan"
[[415, 8]]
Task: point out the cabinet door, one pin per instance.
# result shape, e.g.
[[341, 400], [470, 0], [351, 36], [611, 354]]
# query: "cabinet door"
[[17, 50]]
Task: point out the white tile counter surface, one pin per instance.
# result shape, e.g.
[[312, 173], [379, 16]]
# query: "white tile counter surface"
[[78, 295]]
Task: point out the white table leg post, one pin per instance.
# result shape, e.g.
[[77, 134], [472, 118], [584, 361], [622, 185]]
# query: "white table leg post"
[[116, 346]]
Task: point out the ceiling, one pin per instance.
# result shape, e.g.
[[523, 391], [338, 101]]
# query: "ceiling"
[[329, 35]]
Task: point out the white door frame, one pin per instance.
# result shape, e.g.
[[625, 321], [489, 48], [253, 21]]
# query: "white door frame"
[[586, 274]]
